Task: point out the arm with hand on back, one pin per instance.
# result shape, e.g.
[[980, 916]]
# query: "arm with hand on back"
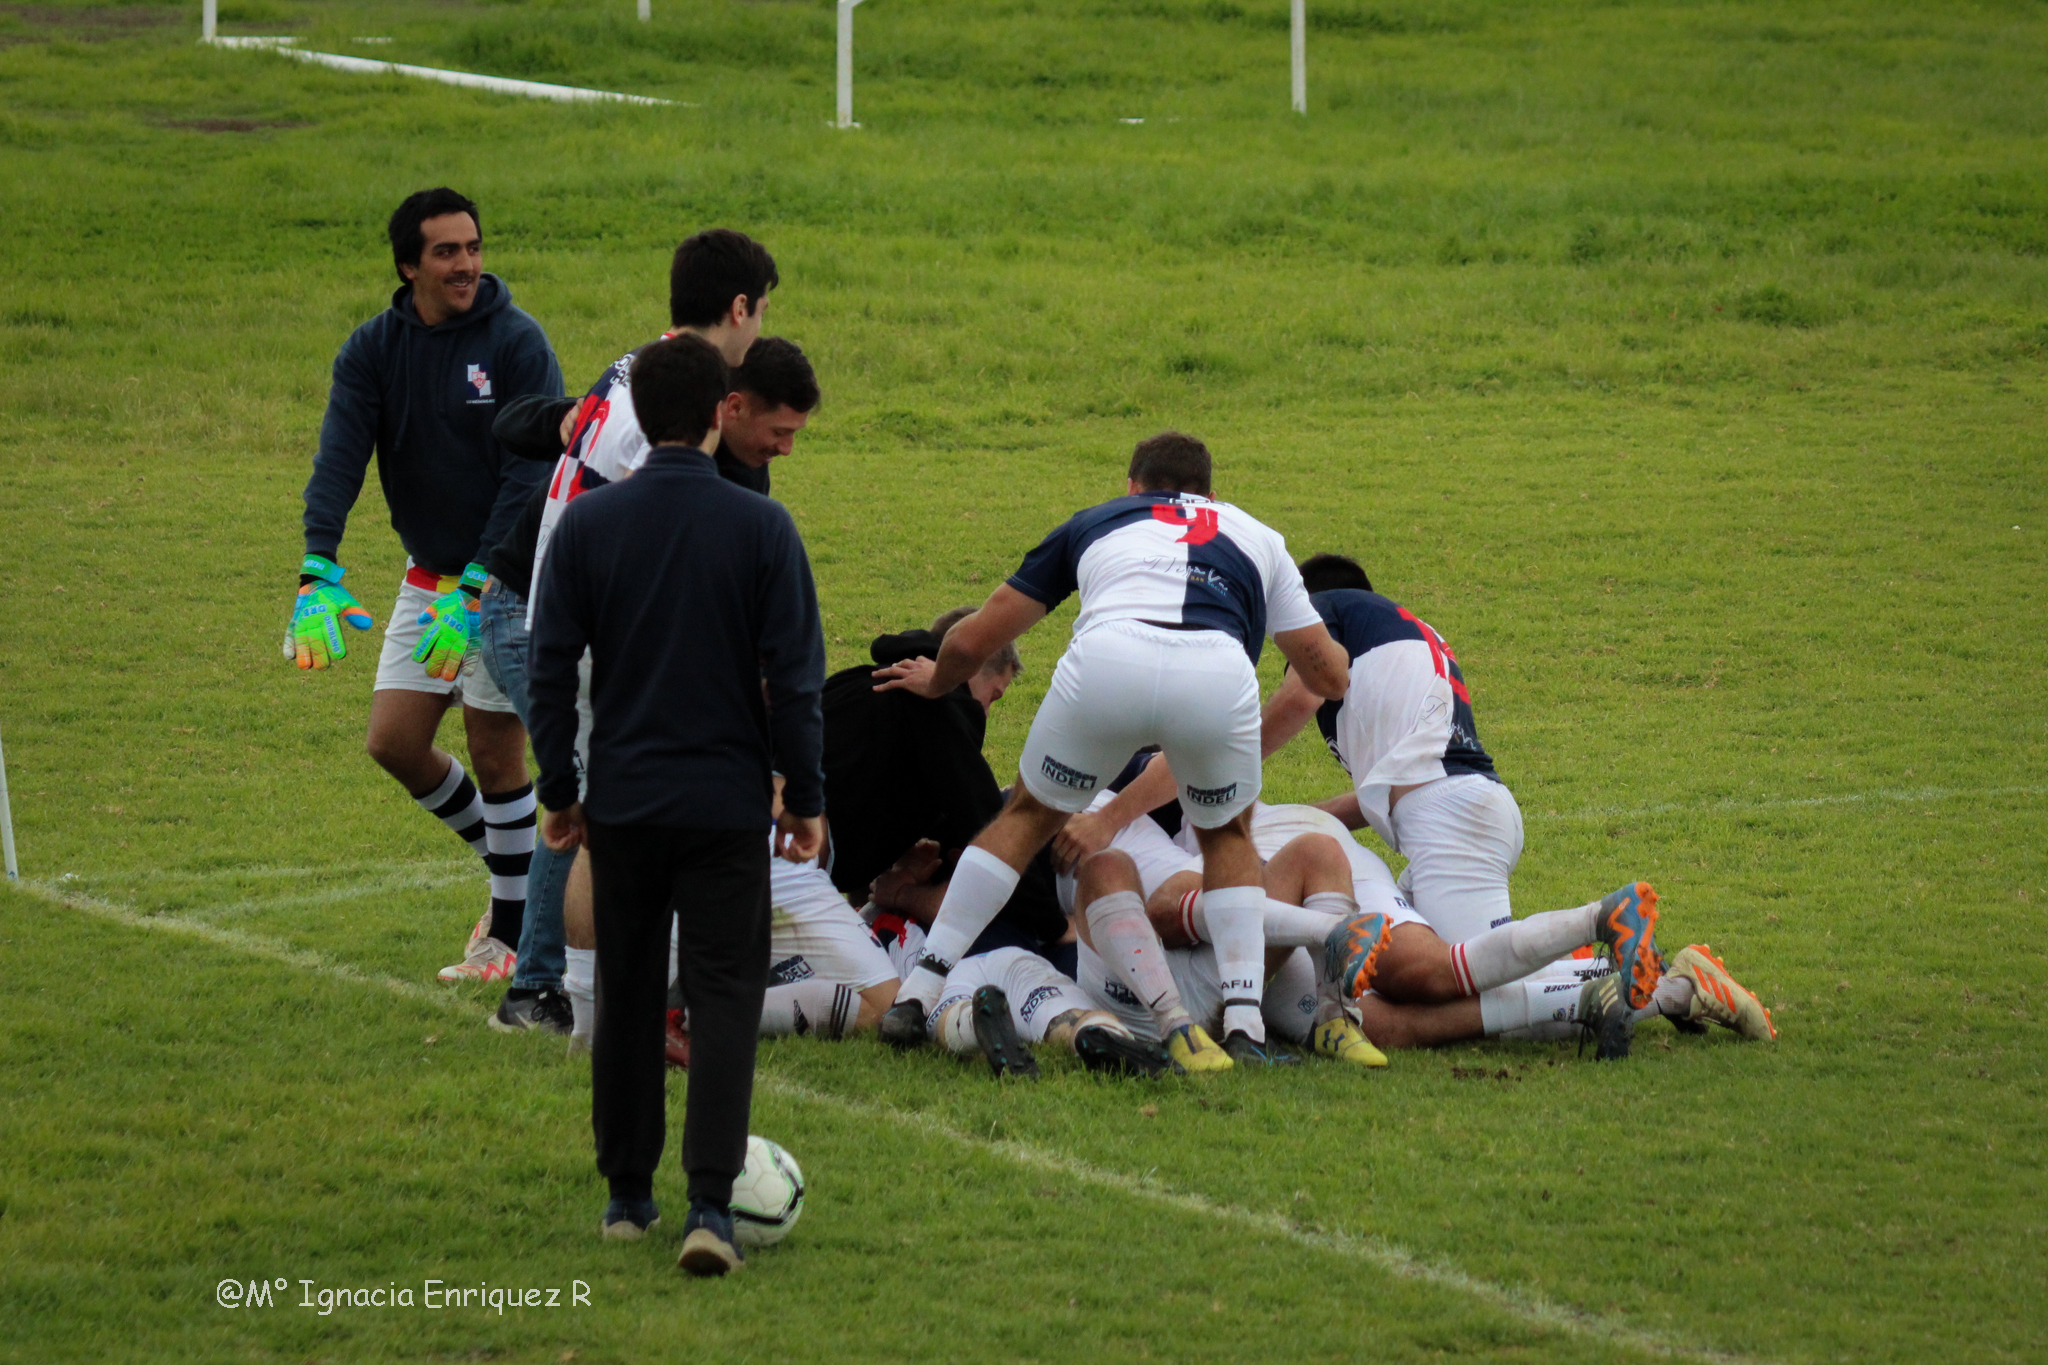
[[1002, 618]]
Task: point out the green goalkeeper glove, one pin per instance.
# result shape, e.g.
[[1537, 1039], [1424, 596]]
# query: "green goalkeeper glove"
[[452, 623], [315, 637]]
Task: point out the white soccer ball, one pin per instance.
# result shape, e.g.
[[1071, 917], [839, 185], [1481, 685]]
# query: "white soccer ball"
[[768, 1197]]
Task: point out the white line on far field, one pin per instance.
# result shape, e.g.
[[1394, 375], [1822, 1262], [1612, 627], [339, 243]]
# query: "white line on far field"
[[1388, 1257], [1734, 806], [503, 85]]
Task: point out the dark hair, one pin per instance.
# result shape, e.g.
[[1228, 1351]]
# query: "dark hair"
[[777, 373], [711, 270], [1004, 660], [1326, 573], [407, 241], [1171, 463], [678, 384]]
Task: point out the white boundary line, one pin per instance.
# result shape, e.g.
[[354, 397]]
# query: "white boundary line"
[[503, 85], [1533, 1309], [1735, 807]]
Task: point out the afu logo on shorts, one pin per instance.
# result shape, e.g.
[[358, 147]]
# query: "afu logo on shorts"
[[480, 381], [1070, 777], [1213, 796], [1200, 522]]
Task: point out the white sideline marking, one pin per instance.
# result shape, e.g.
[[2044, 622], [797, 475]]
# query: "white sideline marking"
[[1378, 1251], [258, 871], [1789, 803], [503, 85], [256, 945], [1387, 1256]]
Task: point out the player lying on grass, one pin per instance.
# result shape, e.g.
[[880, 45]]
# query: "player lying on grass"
[[1178, 593], [1308, 905], [409, 385]]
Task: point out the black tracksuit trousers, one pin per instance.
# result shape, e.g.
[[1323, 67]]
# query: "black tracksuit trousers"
[[714, 885]]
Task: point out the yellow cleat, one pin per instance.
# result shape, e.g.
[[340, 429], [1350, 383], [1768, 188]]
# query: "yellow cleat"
[[1343, 1041], [1719, 997], [1193, 1050]]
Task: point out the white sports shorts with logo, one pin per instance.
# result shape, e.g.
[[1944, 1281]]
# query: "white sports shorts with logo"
[[396, 671], [814, 932], [1124, 685], [1463, 837], [1037, 992], [1289, 1004]]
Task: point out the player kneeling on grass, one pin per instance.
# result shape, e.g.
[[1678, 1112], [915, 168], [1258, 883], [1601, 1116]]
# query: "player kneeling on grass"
[[1178, 593]]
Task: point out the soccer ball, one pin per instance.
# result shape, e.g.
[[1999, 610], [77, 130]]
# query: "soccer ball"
[[768, 1197]]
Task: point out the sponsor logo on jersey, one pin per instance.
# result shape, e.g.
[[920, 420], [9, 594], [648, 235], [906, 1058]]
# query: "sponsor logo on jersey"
[[1212, 796], [1199, 523], [1035, 999], [1205, 577], [1068, 777], [480, 381], [790, 970]]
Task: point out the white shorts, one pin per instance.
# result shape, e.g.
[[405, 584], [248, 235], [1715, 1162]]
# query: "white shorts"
[[1289, 1004], [813, 932], [396, 671], [1124, 685], [1038, 993], [1463, 837], [1372, 883]]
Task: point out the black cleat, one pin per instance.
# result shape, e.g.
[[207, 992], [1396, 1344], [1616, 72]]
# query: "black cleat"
[[1245, 1051], [546, 1010], [997, 1034], [1118, 1054], [903, 1026], [1605, 1014]]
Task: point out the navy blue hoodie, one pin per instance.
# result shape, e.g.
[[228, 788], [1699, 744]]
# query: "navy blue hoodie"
[[423, 398]]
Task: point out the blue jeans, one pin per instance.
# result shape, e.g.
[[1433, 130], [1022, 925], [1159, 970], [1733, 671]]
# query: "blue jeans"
[[542, 943]]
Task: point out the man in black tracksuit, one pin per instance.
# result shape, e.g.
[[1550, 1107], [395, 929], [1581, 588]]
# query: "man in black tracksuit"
[[695, 599]]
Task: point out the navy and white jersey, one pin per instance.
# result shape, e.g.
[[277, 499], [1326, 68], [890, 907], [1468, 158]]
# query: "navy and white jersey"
[[1407, 717], [1174, 559]]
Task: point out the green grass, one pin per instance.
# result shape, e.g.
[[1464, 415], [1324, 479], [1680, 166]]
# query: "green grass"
[[1684, 364]]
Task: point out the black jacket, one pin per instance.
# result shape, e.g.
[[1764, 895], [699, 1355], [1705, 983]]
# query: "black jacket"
[[423, 399], [899, 768], [690, 593]]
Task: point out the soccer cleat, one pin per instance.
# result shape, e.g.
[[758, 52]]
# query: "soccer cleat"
[[1605, 1014], [1108, 1052], [675, 1041], [997, 1034], [628, 1220], [1351, 953], [1628, 926], [1192, 1050], [486, 960], [709, 1247], [903, 1027], [1343, 1041], [547, 1010], [1246, 1050], [1719, 997]]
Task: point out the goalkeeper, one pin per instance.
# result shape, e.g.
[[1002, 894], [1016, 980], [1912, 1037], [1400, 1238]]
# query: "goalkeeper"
[[418, 385]]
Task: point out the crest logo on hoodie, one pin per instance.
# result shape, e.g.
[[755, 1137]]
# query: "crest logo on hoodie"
[[480, 381]]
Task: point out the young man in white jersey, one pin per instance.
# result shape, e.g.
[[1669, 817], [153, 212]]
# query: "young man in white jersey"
[[1406, 734], [1178, 593]]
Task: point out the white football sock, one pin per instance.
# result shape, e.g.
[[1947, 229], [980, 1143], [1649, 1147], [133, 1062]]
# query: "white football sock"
[[1287, 926], [1673, 999], [579, 979], [1513, 951], [1549, 997], [981, 886], [954, 1029], [824, 1009], [1236, 918], [1125, 941]]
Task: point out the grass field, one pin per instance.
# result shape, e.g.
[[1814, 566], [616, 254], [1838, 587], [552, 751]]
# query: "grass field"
[[1684, 364]]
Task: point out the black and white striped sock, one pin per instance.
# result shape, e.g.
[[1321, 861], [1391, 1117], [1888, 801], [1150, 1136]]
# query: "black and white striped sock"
[[455, 804], [509, 821]]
